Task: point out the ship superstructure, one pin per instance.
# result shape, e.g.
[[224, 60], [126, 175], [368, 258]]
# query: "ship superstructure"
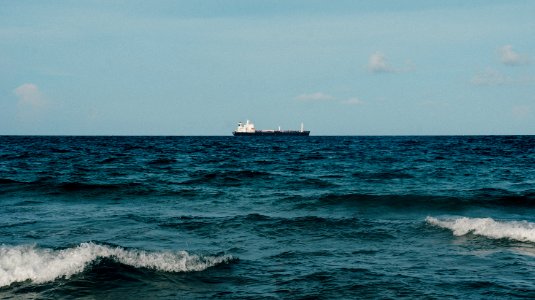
[[248, 129]]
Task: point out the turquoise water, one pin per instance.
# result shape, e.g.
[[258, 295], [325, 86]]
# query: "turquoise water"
[[268, 217]]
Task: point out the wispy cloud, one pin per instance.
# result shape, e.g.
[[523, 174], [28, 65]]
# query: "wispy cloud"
[[378, 63], [492, 77], [30, 96], [352, 101], [521, 111], [510, 57], [319, 96], [489, 77]]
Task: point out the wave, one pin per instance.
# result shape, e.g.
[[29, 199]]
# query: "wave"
[[76, 186], [49, 185], [392, 201], [225, 177], [8, 181], [39, 265], [163, 161], [311, 222], [276, 226], [451, 202], [382, 175], [109, 160], [312, 182], [513, 230]]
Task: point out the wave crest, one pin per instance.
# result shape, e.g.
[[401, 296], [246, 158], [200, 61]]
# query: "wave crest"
[[28, 262], [523, 231]]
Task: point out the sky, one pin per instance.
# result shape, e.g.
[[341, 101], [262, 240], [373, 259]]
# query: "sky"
[[378, 67]]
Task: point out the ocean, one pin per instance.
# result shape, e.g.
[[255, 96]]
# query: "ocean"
[[267, 217]]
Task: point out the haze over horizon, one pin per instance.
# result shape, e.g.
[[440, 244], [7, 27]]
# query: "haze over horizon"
[[342, 68]]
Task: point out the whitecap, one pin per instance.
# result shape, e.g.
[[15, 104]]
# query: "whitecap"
[[29, 262], [523, 231]]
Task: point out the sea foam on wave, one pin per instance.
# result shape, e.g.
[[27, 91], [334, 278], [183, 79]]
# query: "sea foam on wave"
[[514, 230], [28, 262]]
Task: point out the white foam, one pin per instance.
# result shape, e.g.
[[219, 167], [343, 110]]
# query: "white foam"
[[514, 230], [28, 262]]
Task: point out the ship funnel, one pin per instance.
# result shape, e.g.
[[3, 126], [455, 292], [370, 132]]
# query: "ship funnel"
[[302, 127]]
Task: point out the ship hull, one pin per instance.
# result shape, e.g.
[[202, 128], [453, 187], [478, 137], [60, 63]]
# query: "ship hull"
[[272, 133]]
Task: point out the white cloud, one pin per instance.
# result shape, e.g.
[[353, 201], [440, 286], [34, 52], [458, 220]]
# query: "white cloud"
[[510, 57], [353, 101], [490, 77], [314, 97], [30, 96], [377, 63]]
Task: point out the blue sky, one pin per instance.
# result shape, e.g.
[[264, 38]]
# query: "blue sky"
[[199, 67]]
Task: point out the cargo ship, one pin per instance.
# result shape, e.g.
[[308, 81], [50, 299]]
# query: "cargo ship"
[[248, 129]]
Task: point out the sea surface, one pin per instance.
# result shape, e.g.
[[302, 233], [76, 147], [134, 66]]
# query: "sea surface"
[[267, 217]]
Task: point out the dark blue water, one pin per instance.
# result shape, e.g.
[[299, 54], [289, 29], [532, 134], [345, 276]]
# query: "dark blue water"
[[245, 217]]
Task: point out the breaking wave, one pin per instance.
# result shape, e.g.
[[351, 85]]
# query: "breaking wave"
[[28, 262], [514, 230]]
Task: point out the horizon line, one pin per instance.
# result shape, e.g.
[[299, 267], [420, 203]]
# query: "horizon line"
[[202, 135]]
